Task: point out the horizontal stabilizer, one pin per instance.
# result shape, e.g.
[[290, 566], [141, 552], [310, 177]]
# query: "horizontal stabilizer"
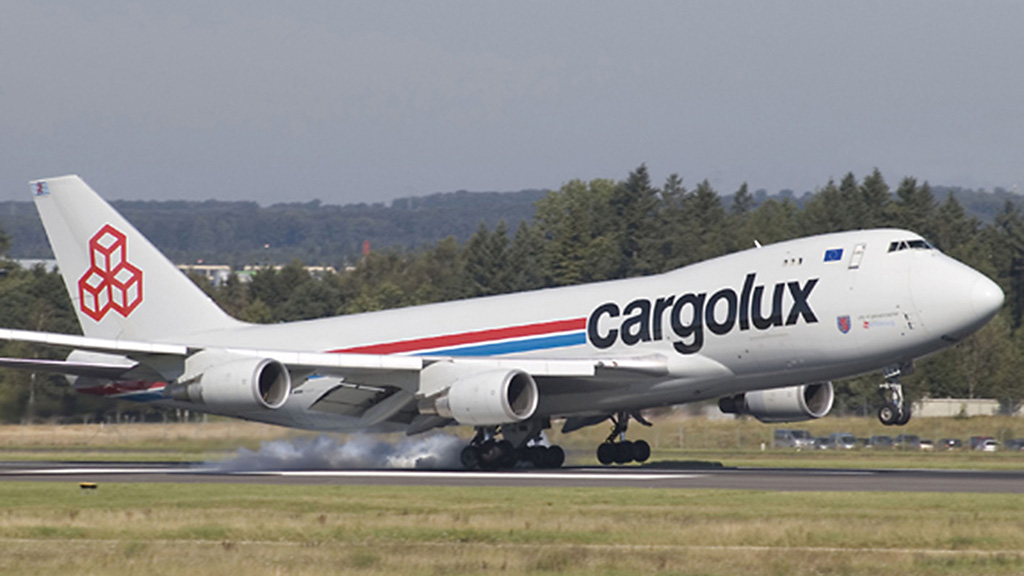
[[90, 369]]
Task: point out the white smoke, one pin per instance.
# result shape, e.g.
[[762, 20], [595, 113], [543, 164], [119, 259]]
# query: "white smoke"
[[437, 452]]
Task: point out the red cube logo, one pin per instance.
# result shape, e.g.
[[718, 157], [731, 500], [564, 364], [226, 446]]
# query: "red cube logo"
[[111, 282]]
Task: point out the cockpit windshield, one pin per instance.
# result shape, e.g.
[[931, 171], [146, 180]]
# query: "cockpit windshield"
[[916, 244]]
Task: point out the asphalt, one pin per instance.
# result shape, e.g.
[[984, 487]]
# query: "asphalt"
[[671, 475]]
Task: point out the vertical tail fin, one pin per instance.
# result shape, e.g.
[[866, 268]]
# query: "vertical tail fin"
[[121, 286]]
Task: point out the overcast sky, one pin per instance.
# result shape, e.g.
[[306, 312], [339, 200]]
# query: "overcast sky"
[[368, 101]]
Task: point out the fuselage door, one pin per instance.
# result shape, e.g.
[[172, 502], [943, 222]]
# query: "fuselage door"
[[857, 256]]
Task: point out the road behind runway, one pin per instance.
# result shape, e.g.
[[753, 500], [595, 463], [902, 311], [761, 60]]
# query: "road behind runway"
[[665, 475]]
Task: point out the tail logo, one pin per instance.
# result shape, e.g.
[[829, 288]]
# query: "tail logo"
[[111, 282]]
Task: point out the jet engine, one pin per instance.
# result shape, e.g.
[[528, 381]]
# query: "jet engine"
[[792, 404], [487, 398], [229, 383]]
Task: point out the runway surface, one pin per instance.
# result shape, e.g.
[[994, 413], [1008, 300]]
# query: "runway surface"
[[664, 475]]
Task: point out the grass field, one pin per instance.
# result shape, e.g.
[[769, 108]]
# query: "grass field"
[[58, 528], [251, 529]]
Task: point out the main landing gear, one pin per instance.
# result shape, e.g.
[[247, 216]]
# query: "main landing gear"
[[896, 410], [520, 443], [616, 449]]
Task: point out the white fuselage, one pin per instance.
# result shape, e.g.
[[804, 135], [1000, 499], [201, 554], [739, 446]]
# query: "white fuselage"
[[796, 312]]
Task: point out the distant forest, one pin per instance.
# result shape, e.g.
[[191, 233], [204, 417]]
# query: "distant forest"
[[241, 233]]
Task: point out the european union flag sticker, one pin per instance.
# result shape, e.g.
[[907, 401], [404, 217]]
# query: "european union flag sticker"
[[834, 255]]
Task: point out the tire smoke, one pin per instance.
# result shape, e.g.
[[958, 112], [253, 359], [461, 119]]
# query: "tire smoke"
[[437, 452]]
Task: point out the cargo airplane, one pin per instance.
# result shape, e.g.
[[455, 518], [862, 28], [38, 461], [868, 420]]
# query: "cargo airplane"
[[764, 330]]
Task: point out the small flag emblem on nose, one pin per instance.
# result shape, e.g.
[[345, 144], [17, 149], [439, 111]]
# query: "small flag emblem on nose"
[[833, 255]]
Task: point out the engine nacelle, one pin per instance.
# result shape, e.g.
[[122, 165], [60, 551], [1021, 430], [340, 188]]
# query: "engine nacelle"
[[792, 404], [229, 383], [487, 398]]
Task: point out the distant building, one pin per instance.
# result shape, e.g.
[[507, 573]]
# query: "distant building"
[[28, 264], [950, 407], [314, 271], [217, 274]]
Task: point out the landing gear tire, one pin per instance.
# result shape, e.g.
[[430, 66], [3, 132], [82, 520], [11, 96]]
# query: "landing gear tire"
[[490, 455], [553, 457], [623, 452], [905, 416], [896, 410], [508, 456], [470, 457], [889, 414], [532, 454], [641, 451]]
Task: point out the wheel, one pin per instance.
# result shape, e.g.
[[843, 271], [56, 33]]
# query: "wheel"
[[533, 455], [470, 457], [905, 416], [641, 451], [889, 414], [624, 452], [490, 455], [508, 456], [554, 457], [606, 453]]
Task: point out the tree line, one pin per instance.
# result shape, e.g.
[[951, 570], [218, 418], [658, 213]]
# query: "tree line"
[[588, 231], [240, 233]]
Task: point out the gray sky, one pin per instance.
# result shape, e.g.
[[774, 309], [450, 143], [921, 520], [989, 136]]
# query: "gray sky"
[[368, 101]]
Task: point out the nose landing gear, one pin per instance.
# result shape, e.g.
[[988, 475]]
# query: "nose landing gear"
[[616, 449], [896, 410]]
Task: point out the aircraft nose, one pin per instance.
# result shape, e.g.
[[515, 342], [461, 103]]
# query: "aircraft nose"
[[986, 297]]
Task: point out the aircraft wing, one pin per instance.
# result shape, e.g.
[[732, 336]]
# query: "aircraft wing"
[[123, 358], [372, 389]]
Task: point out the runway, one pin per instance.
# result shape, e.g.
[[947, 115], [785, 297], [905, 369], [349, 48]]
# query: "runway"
[[663, 475]]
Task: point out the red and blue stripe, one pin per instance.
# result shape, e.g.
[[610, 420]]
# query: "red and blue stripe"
[[489, 342]]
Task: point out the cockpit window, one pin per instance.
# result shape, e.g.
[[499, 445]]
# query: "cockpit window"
[[916, 244]]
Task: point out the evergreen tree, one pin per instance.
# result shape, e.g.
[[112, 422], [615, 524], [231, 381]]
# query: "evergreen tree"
[[914, 207], [742, 201], [875, 198], [825, 212], [635, 204], [576, 226], [486, 258], [708, 220], [524, 260]]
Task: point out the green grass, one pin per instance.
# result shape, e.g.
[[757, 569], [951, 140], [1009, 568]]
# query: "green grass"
[[57, 528], [262, 529]]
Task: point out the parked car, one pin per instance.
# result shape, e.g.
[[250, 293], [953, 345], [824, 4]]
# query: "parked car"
[[821, 443], [988, 445], [978, 441], [880, 442], [842, 441], [927, 445], [793, 439], [951, 444], [908, 442], [1017, 444]]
